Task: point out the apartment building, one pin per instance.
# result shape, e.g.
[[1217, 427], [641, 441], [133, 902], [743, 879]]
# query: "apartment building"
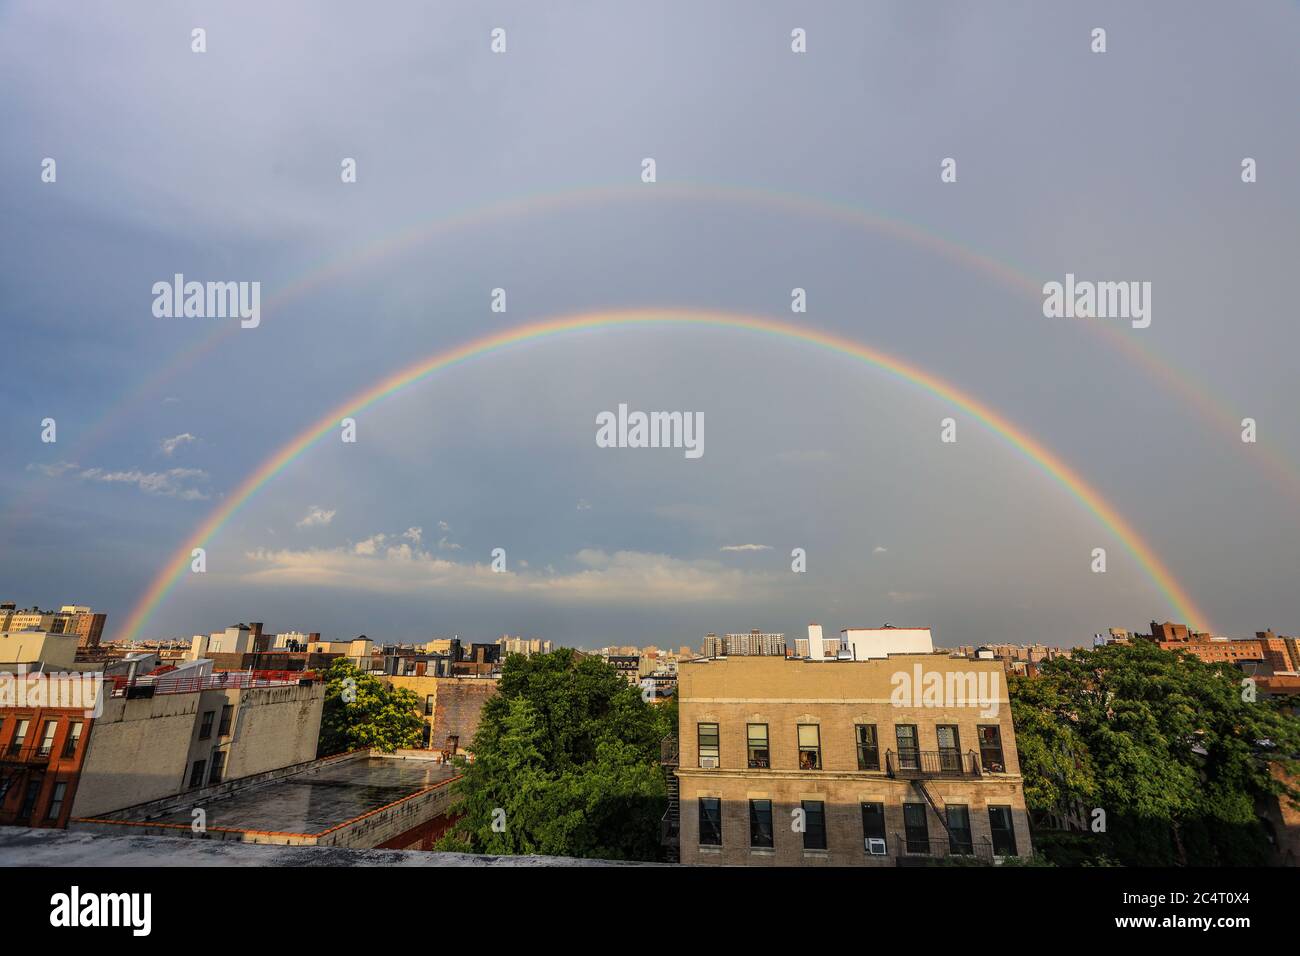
[[451, 707], [527, 647], [76, 619], [846, 763], [755, 643], [154, 736]]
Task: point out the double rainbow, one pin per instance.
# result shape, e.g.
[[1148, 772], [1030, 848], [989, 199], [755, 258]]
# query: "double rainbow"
[[177, 565]]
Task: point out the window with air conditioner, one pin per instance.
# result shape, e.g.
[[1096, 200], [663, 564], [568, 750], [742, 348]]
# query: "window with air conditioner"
[[707, 736], [873, 828]]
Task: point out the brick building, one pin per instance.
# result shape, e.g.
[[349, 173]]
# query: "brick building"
[[451, 707], [790, 762]]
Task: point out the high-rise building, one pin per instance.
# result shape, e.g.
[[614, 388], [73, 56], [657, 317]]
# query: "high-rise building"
[[754, 644]]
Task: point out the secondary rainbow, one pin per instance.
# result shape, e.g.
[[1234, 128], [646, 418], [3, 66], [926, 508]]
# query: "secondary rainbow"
[[1148, 560], [1191, 390]]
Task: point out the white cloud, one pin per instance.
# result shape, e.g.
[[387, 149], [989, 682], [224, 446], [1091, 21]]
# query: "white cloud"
[[379, 564], [171, 483], [413, 534], [317, 517], [879, 549], [169, 445], [746, 547], [584, 504]]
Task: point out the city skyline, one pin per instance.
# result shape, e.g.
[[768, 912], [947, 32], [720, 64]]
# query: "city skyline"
[[819, 173]]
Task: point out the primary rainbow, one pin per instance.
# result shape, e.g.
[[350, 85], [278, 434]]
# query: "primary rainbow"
[[1146, 557]]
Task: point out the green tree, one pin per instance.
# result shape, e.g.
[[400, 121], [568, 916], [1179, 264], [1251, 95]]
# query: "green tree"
[[360, 711], [1165, 744], [565, 764]]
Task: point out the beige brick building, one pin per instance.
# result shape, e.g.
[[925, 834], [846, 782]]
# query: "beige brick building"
[[905, 759]]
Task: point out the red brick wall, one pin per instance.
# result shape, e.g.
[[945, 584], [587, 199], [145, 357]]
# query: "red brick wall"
[[458, 708]]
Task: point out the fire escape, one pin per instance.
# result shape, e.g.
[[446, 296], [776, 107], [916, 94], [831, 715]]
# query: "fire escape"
[[22, 770], [918, 767], [670, 825]]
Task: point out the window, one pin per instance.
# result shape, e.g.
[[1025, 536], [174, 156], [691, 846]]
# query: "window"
[[196, 773], [205, 728], [868, 747], [708, 743], [760, 823], [814, 821], [73, 738], [991, 748], [810, 747], [710, 821], [428, 704], [873, 824], [915, 827], [959, 836], [47, 737], [218, 765], [949, 748], [759, 754], [56, 801], [20, 736], [227, 711], [909, 755], [1004, 835], [29, 798]]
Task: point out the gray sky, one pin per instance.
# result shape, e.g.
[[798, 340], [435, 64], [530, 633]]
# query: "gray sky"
[[225, 166]]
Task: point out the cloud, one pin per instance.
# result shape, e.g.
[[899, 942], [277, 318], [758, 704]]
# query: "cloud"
[[446, 544], [746, 547], [584, 504], [382, 565], [413, 534], [169, 445], [879, 549], [317, 517], [57, 470], [170, 484]]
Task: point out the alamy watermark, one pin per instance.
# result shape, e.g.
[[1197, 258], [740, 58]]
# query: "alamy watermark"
[[208, 300], [651, 430], [82, 690], [921, 688], [1098, 300]]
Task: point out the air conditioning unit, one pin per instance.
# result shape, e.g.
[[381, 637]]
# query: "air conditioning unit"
[[875, 846], [709, 763]]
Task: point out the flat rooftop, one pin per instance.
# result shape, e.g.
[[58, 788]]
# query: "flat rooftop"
[[318, 800], [21, 846]]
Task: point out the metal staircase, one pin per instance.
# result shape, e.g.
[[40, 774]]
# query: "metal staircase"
[[669, 826]]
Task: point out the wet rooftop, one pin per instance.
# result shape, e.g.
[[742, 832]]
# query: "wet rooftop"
[[317, 800]]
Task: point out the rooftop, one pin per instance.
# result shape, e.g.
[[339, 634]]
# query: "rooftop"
[[316, 801], [319, 798], [23, 846]]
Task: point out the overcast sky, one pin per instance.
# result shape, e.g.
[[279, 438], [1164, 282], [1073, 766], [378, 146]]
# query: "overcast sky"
[[225, 165]]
